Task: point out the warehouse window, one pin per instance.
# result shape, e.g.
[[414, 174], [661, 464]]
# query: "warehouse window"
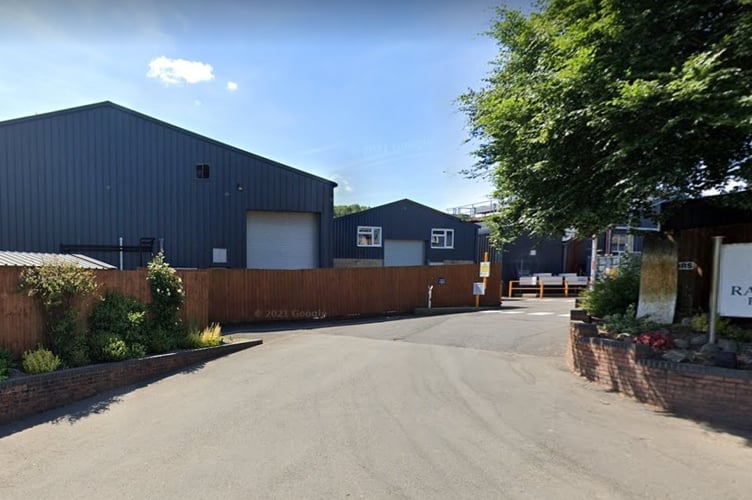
[[202, 171], [442, 238], [369, 236]]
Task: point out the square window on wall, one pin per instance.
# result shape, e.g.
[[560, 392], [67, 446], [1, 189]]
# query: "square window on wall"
[[202, 171], [442, 238], [369, 236]]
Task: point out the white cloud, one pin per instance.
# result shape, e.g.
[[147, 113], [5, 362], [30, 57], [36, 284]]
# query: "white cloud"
[[175, 71], [343, 182], [232, 86]]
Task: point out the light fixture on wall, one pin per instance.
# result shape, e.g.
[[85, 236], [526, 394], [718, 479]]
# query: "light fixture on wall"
[[239, 187]]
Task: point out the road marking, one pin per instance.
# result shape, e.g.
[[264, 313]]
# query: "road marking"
[[541, 314], [564, 315], [512, 312]]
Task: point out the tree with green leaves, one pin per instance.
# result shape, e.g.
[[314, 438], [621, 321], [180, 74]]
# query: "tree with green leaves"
[[340, 210], [596, 109]]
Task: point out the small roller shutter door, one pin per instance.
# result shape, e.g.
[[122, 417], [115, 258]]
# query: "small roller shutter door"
[[282, 240]]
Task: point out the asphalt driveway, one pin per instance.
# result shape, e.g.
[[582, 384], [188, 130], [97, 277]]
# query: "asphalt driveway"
[[476, 405]]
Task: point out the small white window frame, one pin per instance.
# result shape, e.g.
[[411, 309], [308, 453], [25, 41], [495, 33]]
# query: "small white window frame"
[[442, 234], [372, 232]]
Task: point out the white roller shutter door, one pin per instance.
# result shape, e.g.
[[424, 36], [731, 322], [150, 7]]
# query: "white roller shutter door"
[[404, 253], [282, 240]]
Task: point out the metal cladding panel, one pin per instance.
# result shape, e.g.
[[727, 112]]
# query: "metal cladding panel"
[[404, 220], [526, 255], [90, 175]]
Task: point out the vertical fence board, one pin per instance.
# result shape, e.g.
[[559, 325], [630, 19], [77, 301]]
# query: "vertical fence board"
[[252, 295]]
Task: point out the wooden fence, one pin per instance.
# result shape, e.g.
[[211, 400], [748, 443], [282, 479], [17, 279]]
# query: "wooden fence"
[[251, 295]]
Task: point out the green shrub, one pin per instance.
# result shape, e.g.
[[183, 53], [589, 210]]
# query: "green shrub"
[[208, 337], [627, 322], [700, 323], [40, 360], [119, 315], [108, 347], [168, 296], [7, 361], [59, 288], [614, 293], [68, 340]]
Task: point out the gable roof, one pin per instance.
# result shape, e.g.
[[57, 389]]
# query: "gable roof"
[[111, 105], [408, 202]]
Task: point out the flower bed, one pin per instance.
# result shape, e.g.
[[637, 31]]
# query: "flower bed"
[[26, 395], [709, 393]]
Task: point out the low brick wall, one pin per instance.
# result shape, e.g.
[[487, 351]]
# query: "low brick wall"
[[24, 396], [715, 395]]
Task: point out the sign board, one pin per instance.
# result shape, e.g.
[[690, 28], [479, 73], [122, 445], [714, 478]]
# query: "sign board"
[[479, 288], [485, 269], [441, 281], [687, 265], [735, 281]]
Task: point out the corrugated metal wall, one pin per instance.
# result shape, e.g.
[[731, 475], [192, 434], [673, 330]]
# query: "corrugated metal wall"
[[404, 220], [92, 174]]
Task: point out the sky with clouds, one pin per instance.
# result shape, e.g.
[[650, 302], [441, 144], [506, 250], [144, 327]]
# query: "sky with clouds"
[[361, 93]]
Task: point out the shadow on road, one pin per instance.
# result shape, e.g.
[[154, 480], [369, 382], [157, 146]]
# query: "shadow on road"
[[94, 405]]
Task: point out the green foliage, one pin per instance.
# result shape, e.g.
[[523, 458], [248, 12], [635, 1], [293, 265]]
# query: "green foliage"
[[593, 110], [40, 360], [614, 293], [208, 337], [723, 327], [168, 296], [7, 361], [627, 322], [120, 315], [57, 285], [108, 347], [340, 210], [59, 288]]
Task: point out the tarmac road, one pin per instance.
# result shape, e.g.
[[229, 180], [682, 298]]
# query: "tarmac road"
[[477, 405]]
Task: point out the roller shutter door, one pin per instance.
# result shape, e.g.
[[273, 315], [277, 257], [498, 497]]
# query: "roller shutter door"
[[404, 253], [282, 240]]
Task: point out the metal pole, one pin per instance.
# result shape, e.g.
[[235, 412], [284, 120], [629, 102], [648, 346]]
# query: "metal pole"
[[714, 278], [593, 258], [430, 291], [120, 242]]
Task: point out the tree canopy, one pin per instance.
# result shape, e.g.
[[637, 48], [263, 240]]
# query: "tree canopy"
[[340, 210], [596, 109]]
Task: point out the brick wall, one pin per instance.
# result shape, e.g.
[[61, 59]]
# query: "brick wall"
[[24, 396], [717, 395]]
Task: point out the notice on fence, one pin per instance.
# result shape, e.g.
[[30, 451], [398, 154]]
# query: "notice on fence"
[[735, 283]]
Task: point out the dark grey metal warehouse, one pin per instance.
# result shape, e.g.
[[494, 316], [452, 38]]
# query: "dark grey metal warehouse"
[[403, 233], [92, 174]]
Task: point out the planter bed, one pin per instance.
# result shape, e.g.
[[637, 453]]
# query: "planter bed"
[[713, 394], [30, 394]]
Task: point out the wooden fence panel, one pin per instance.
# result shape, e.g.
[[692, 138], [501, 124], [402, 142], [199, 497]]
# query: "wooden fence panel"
[[21, 323], [251, 295]]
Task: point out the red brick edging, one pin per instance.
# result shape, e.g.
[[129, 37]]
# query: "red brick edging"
[[715, 395], [24, 396]]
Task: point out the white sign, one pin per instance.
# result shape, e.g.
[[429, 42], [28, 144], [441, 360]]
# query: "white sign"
[[479, 288], [485, 269], [735, 283]]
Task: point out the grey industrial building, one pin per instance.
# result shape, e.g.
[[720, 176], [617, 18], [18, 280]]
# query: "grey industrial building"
[[82, 178], [403, 233]]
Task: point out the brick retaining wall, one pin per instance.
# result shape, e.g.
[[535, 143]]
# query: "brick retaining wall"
[[24, 396], [716, 395]]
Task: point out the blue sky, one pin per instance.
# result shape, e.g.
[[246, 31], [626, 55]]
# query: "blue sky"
[[361, 93]]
